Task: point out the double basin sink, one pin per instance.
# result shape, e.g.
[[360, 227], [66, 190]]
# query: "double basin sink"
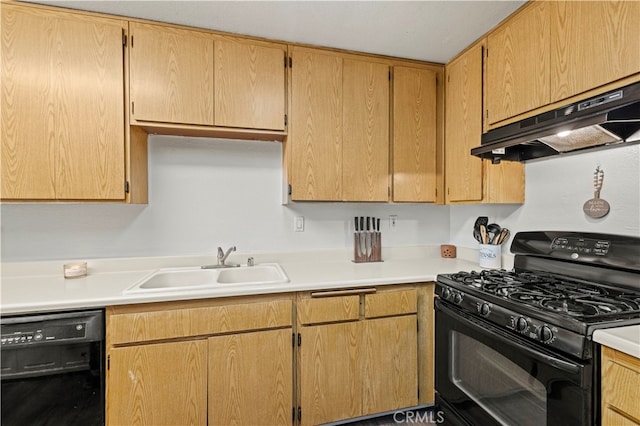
[[196, 278]]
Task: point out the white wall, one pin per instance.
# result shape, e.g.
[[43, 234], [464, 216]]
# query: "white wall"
[[557, 188], [205, 193]]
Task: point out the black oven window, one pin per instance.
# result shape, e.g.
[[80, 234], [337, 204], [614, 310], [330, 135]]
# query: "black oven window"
[[512, 395]]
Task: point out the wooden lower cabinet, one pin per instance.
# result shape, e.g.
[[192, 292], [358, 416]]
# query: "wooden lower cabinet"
[[239, 361], [203, 362], [620, 385], [330, 382], [353, 367], [251, 378], [390, 364], [158, 384]]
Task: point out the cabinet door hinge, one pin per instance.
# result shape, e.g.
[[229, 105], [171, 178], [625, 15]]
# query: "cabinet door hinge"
[[299, 339], [124, 39], [126, 187], [389, 75], [290, 62], [293, 339], [108, 362]]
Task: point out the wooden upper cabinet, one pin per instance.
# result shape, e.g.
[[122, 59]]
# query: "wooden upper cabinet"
[[365, 152], [315, 130], [249, 85], [469, 179], [339, 129], [463, 127], [592, 43], [62, 105], [518, 77], [171, 78], [414, 135]]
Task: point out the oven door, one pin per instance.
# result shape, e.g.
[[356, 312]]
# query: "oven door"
[[486, 376]]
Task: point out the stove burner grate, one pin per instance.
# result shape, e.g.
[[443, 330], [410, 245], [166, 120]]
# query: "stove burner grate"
[[552, 293]]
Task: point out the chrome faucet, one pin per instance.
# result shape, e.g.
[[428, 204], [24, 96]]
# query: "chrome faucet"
[[222, 257]]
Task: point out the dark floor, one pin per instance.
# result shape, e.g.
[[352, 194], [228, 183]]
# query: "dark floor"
[[425, 416]]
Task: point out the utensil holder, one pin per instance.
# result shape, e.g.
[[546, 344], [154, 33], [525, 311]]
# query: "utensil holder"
[[367, 247], [490, 256]]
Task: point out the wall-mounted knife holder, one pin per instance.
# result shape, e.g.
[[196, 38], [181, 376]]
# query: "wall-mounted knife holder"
[[367, 246]]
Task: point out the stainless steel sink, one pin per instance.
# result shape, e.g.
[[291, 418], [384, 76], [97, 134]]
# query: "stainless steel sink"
[[196, 278]]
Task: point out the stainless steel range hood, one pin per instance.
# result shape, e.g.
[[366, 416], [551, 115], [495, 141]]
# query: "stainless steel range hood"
[[605, 121]]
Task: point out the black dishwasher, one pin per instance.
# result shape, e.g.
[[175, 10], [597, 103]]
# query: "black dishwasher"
[[52, 369]]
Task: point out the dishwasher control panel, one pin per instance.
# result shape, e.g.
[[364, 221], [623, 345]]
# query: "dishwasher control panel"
[[41, 329]]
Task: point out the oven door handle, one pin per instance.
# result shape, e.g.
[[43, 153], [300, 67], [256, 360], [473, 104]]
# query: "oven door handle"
[[495, 333]]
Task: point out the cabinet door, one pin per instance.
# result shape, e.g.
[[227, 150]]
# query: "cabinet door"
[[251, 378], [504, 182], [390, 364], [158, 384], [463, 127], [315, 132], [62, 106], [365, 152], [249, 85], [330, 375], [414, 135], [518, 64], [592, 43], [171, 76]]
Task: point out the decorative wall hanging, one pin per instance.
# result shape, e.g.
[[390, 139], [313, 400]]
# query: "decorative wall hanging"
[[596, 207]]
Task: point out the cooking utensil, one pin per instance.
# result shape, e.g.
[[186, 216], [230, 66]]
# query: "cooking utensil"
[[481, 220], [504, 234], [484, 236], [493, 229]]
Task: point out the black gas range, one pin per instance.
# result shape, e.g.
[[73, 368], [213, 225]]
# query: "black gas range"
[[564, 285]]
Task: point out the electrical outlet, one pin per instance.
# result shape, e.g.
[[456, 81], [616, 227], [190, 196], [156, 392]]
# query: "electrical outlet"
[[393, 220], [298, 224]]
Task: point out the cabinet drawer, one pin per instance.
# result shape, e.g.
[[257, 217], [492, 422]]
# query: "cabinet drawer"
[[176, 323], [329, 309], [621, 381], [390, 303]]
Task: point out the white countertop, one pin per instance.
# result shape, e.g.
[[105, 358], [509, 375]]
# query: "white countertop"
[[623, 339], [40, 286]]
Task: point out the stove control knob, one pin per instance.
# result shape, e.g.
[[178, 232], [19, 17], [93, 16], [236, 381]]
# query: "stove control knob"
[[446, 293], [484, 309], [521, 324], [457, 298], [545, 334]]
